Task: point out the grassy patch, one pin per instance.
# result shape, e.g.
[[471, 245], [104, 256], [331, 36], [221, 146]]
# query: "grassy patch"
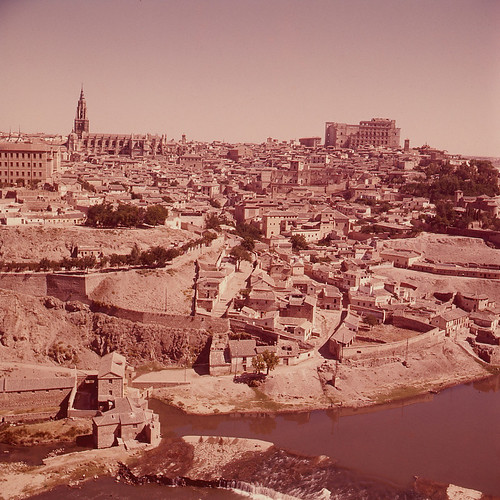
[[398, 393], [44, 432], [265, 402]]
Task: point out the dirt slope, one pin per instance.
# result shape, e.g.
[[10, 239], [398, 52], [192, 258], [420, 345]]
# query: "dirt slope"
[[448, 249]]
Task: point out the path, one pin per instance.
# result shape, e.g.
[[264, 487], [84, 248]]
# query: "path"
[[235, 284]]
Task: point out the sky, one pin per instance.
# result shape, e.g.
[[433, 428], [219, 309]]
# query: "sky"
[[245, 70]]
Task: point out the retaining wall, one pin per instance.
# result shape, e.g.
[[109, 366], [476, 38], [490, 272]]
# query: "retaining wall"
[[410, 323], [30, 417], [433, 337], [28, 283], [214, 325]]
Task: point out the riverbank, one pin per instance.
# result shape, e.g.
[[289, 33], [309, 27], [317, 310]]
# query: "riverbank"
[[19, 480], [319, 383]]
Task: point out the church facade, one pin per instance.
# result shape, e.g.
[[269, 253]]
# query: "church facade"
[[82, 142]]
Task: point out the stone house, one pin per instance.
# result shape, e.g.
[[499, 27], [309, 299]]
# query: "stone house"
[[400, 258], [298, 305], [485, 326], [128, 420], [344, 336], [25, 394], [241, 353], [299, 328], [330, 297], [452, 322], [473, 301], [262, 300], [111, 379]]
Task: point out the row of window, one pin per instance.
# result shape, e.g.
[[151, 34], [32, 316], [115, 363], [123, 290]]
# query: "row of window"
[[23, 155], [20, 174], [28, 164]]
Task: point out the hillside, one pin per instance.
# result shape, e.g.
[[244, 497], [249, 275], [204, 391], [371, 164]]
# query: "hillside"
[[46, 330], [32, 243], [448, 249]]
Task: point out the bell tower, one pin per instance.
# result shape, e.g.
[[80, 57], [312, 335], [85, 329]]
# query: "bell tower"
[[81, 121]]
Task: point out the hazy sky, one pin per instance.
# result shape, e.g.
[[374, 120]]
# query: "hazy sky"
[[244, 70]]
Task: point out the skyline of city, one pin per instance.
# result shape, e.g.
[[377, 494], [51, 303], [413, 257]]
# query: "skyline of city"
[[278, 69]]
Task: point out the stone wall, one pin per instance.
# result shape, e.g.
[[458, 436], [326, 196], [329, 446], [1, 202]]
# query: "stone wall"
[[411, 323], [28, 283], [433, 337], [62, 286], [67, 287], [214, 325], [30, 417], [34, 399]]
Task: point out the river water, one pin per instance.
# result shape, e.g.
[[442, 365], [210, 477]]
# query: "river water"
[[451, 437]]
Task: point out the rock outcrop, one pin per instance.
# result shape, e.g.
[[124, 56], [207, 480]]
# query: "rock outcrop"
[[34, 329]]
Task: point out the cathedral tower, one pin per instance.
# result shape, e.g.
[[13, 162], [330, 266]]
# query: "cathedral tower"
[[81, 121]]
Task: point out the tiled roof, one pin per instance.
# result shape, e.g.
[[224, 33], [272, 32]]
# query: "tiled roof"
[[112, 364], [241, 348], [36, 384]]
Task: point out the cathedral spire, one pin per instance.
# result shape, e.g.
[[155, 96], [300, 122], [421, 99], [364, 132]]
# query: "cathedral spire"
[[81, 120]]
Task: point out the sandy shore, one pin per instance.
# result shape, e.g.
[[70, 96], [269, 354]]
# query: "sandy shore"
[[307, 386]]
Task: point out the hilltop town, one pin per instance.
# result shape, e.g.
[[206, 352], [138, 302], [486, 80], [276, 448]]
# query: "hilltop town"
[[344, 273]]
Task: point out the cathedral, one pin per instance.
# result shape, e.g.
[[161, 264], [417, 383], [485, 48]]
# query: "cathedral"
[[82, 142]]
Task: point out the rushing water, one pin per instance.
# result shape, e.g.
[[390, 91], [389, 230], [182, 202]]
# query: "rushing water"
[[451, 437]]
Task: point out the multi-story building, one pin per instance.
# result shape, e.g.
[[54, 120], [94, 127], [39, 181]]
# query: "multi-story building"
[[28, 162], [375, 132]]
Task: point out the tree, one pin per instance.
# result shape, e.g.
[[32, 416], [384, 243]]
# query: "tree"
[[239, 253], [258, 363], [270, 359], [299, 242], [213, 222], [248, 243], [134, 257], [370, 320], [155, 215], [248, 231]]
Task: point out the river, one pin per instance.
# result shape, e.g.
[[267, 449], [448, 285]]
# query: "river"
[[451, 437]]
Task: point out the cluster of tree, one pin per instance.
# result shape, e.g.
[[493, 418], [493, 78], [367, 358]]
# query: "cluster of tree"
[[125, 215], [442, 180], [248, 231], [157, 256], [154, 257], [81, 263], [267, 360], [214, 221], [447, 216]]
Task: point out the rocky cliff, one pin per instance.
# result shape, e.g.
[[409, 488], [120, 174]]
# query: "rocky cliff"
[[42, 330]]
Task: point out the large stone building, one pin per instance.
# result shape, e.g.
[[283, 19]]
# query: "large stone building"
[[375, 132], [81, 141], [28, 162]]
